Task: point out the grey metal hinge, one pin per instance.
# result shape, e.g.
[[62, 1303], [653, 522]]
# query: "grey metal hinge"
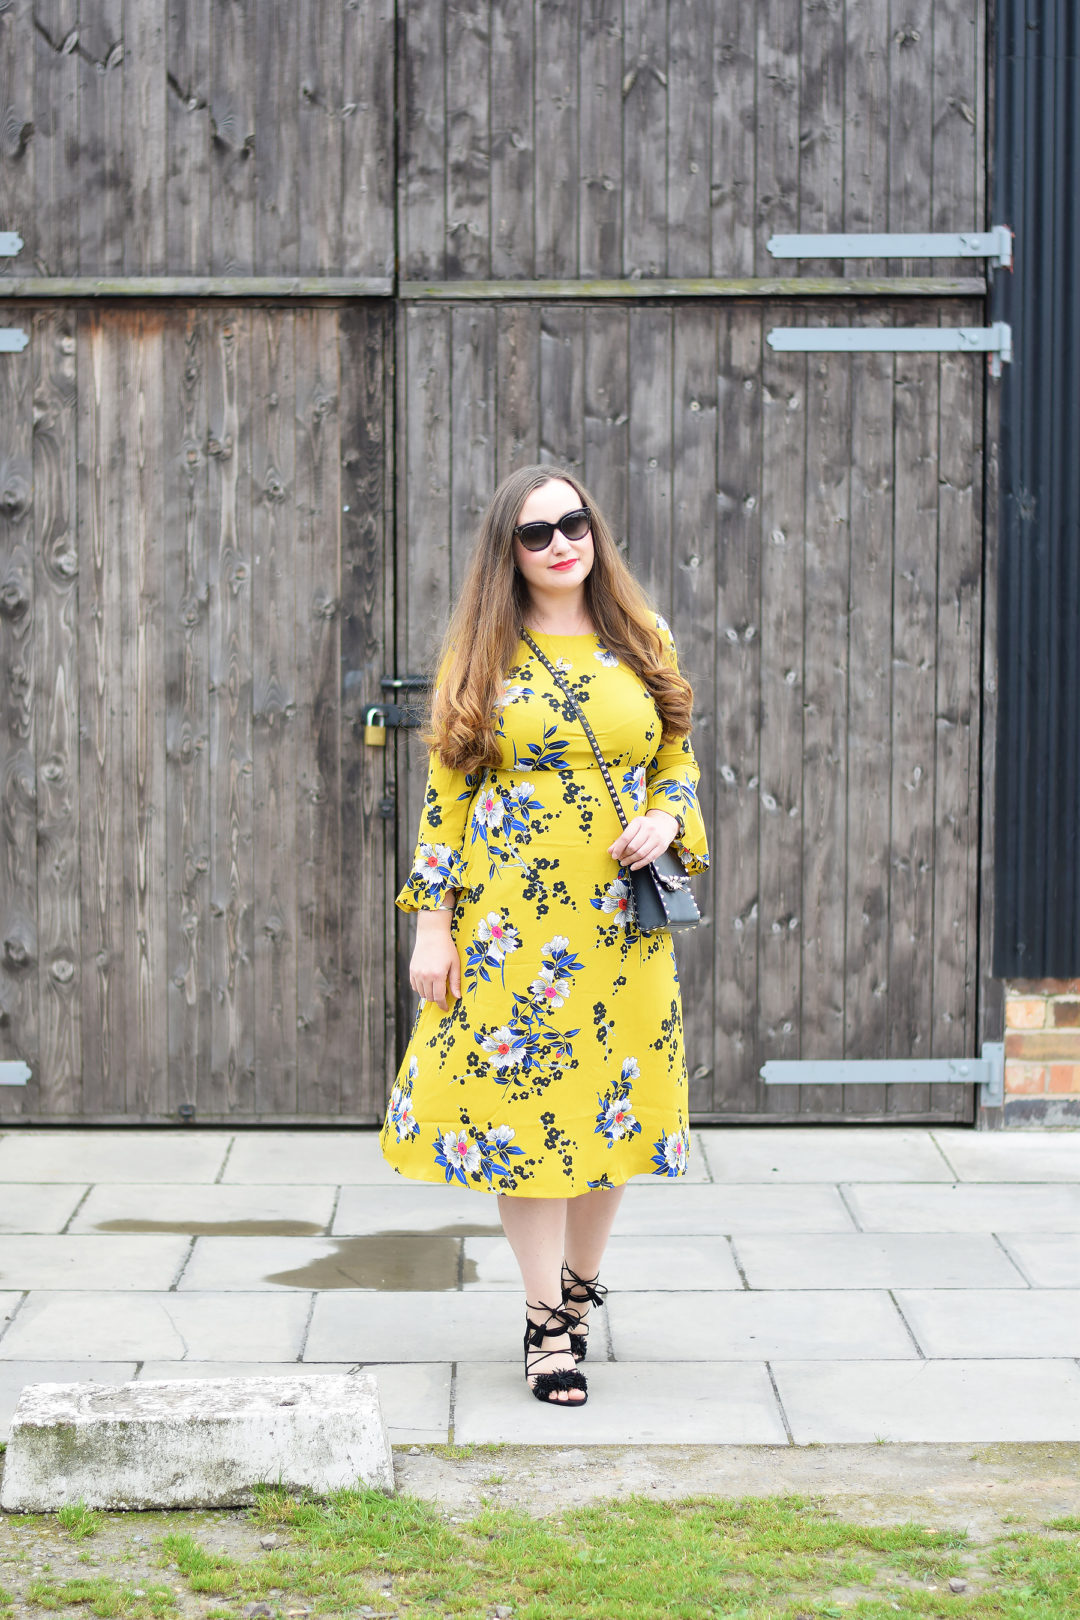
[[987, 1072], [995, 244], [14, 1073], [994, 340], [13, 340], [10, 244]]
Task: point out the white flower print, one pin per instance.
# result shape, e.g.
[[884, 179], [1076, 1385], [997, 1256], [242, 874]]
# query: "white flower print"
[[460, 1151], [414, 1067], [563, 665], [558, 945], [606, 657], [674, 1150], [634, 783], [662, 624], [630, 1069], [401, 1114], [511, 695], [505, 1046], [501, 938], [522, 793], [433, 863], [489, 809], [615, 899], [503, 1135], [547, 990], [618, 1120]]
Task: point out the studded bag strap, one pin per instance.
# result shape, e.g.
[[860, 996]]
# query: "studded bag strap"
[[568, 694]]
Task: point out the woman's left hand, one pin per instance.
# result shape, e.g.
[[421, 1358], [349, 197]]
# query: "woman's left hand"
[[644, 838]]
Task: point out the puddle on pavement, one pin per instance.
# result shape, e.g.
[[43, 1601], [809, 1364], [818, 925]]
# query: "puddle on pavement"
[[217, 1228], [401, 1262]]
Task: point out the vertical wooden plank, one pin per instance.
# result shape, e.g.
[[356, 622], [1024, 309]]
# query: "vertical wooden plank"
[[101, 169], [367, 868], [512, 174], [914, 647], [825, 694], [693, 489], [957, 154], [605, 391], [17, 145], [783, 616], [649, 479], [645, 137], [911, 63], [734, 124], [323, 1039], [821, 126], [146, 156], [600, 189], [422, 222], [690, 105], [778, 122], [956, 765], [143, 720], [472, 429], [232, 140], [468, 168], [56, 137], [187, 137], [274, 699], [557, 94], [368, 110], [517, 423], [56, 725], [321, 202], [866, 130], [869, 717], [187, 356], [230, 1086], [19, 666], [276, 140], [103, 449], [561, 401], [737, 805]]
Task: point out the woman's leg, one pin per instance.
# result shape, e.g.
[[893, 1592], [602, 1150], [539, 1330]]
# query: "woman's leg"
[[536, 1231], [589, 1219]]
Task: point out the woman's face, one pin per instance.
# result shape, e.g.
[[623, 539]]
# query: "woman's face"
[[565, 564]]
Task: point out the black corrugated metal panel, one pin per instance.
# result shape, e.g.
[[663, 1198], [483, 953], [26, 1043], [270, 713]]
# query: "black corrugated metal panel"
[[1037, 192]]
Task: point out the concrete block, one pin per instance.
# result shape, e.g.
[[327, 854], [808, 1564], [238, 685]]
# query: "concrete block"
[[192, 1444]]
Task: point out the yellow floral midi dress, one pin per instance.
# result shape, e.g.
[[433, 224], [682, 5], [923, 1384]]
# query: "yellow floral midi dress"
[[561, 1067]]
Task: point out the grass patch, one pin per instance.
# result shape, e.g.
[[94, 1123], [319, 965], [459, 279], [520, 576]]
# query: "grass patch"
[[101, 1595], [78, 1520]]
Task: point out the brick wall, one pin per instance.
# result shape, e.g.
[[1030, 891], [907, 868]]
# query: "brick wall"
[[1042, 1052]]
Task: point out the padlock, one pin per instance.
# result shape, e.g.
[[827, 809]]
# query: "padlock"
[[375, 729]]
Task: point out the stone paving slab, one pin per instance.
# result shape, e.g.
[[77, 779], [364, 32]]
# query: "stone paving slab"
[[877, 1260], [415, 1396], [941, 1401], [811, 1324], [976, 1322], [309, 1158], [110, 1326], [965, 1208], [793, 1154], [715, 1403], [121, 1155], [44, 1208], [657, 1211], [115, 1262], [15, 1375], [416, 1207], [279, 1211], [1010, 1155], [1047, 1259], [629, 1262], [409, 1263], [415, 1327]]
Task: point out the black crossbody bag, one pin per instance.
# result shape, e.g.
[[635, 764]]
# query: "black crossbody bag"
[[659, 894]]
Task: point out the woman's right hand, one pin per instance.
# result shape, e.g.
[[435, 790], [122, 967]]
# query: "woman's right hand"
[[435, 962]]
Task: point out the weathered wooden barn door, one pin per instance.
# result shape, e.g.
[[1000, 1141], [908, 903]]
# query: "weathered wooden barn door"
[[196, 575], [811, 527]]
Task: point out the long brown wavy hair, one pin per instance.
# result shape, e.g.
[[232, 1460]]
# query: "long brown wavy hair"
[[487, 623]]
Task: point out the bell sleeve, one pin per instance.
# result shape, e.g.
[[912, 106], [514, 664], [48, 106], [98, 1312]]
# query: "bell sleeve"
[[439, 858], [671, 779]]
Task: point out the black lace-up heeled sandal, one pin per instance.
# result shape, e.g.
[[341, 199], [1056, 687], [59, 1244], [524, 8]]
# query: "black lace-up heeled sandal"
[[545, 1384], [593, 1293]]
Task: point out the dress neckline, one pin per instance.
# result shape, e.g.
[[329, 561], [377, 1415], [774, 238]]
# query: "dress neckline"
[[549, 635]]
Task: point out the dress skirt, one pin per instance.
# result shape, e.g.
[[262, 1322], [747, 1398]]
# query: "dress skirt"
[[561, 1067]]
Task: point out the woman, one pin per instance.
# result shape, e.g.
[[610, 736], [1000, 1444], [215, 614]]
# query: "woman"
[[545, 1064]]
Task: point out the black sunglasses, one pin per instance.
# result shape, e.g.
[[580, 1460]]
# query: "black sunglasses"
[[538, 536]]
